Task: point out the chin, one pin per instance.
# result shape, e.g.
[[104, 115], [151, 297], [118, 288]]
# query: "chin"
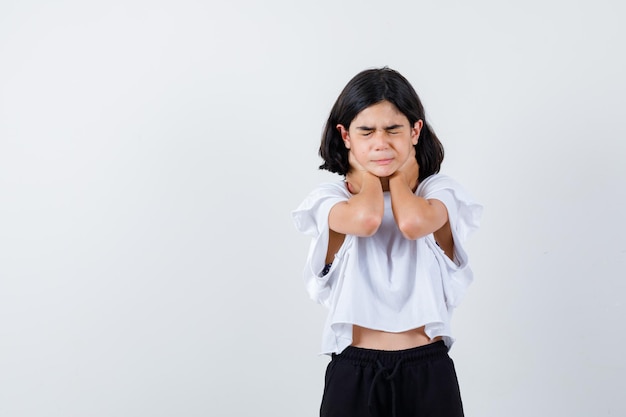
[[383, 173]]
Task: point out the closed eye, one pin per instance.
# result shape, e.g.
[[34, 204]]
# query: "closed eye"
[[394, 130]]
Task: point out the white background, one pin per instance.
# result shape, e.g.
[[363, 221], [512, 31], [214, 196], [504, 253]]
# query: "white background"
[[151, 153]]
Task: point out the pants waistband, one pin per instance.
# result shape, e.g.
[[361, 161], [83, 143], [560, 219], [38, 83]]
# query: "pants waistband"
[[420, 353]]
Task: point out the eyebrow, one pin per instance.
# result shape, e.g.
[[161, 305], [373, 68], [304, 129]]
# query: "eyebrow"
[[392, 127]]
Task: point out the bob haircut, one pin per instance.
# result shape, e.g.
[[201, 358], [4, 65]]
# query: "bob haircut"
[[368, 88]]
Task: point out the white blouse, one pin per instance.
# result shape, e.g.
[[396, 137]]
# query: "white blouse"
[[385, 281]]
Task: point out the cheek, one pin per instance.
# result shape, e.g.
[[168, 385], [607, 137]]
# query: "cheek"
[[358, 149], [404, 150], [408, 145], [362, 155]]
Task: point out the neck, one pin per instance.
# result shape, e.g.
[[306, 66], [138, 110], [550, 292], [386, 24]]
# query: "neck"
[[384, 181]]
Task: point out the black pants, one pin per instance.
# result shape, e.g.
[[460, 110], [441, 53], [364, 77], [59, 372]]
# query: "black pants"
[[416, 382]]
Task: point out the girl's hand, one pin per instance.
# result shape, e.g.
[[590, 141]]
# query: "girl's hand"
[[409, 171], [354, 164], [354, 178]]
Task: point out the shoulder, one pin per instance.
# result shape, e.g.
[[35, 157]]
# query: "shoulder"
[[464, 211], [312, 213], [436, 183], [330, 189]]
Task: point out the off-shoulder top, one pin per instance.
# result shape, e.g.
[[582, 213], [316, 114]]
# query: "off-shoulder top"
[[386, 281]]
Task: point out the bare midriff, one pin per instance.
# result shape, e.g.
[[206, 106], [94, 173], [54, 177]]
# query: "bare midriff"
[[376, 339]]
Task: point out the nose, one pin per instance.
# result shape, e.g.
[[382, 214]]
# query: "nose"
[[380, 140]]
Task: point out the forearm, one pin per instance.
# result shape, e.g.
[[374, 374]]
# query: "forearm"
[[415, 216], [362, 214], [367, 206]]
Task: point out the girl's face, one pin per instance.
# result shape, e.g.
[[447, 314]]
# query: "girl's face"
[[380, 138]]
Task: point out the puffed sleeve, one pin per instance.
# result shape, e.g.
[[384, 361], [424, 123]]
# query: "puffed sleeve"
[[464, 214], [311, 218]]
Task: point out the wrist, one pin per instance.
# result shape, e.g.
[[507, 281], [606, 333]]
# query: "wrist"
[[399, 179], [357, 179], [369, 178]]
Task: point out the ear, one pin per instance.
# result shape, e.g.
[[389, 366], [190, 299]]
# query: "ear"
[[345, 136], [415, 131]]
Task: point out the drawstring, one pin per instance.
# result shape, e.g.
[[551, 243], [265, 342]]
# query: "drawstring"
[[382, 371]]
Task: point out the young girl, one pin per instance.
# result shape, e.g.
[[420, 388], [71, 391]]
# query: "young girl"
[[387, 256]]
